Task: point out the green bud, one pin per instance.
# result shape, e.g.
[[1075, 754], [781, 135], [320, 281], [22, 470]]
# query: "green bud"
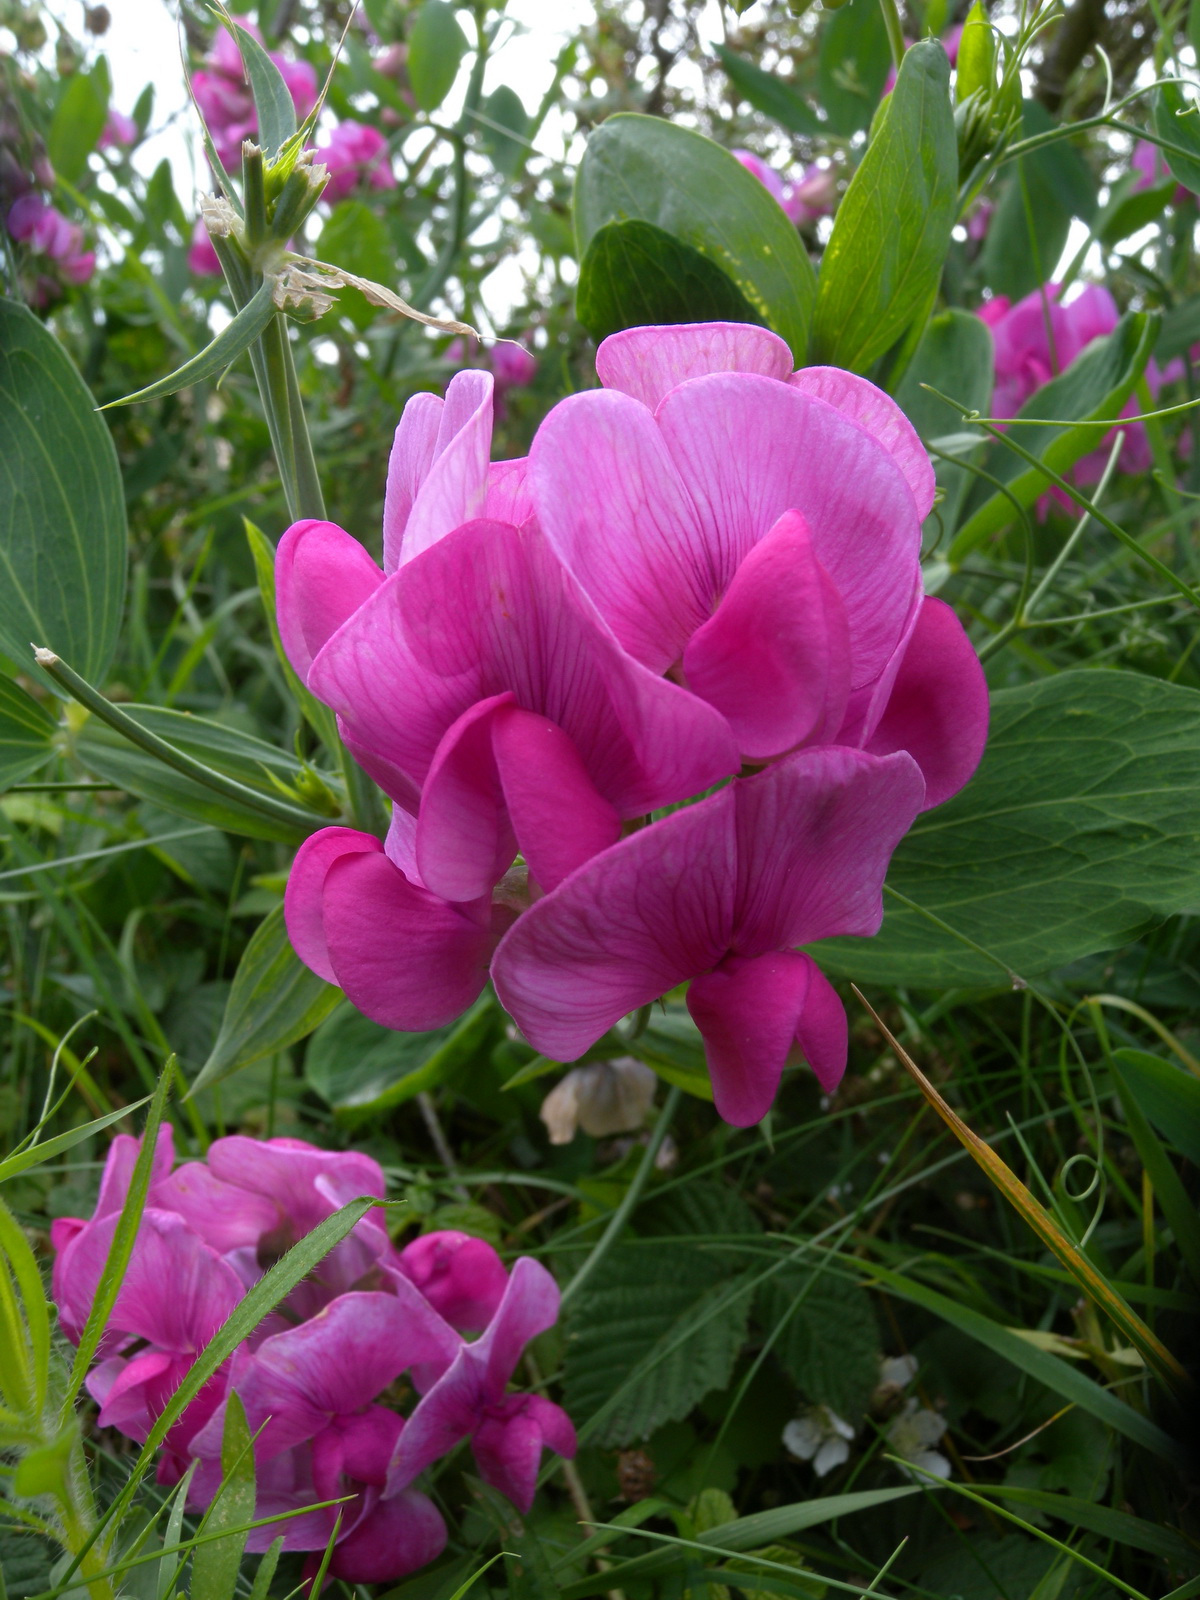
[[976, 70], [298, 196]]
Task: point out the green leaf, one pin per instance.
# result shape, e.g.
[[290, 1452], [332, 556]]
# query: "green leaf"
[[1176, 119], [1128, 1532], [645, 169], [275, 1000], [355, 1065], [1134, 211], [955, 357], [1094, 387], [1180, 328], [238, 755], [436, 46], [1167, 1096], [769, 93], [35, 1155], [841, 1373], [26, 734], [1173, 1199], [644, 1345], [76, 126], [63, 535], [232, 341], [1079, 830], [356, 239], [671, 1045], [319, 717], [1050, 186], [216, 1565], [272, 99], [852, 66], [975, 68], [892, 229], [504, 131], [24, 1324], [634, 274]]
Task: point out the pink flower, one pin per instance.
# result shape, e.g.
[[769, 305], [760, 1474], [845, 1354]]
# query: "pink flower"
[[224, 98], [507, 1431], [811, 197], [758, 168], [757, 533], [462, 1277], [355, 154], [202, 258], [513, 366], [119, 129], [721, 892]]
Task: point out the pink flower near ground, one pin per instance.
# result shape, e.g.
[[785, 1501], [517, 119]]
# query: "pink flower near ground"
[[513, 366], [355, 155]]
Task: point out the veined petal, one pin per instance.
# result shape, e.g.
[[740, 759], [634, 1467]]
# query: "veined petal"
[[223, 1215], [879, 414], [408, 465], [509, 498], [747, 1011], [303, 899], [627, 926], [647, 363], [775, 656], [938, 708], [322, 576], [508, 1444], [823, 1034], [454, 489], [397, 1535], [461, 1276], [464, 838], [815, 833]]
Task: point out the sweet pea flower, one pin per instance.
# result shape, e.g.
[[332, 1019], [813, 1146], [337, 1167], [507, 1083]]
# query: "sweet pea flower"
[[119, 129], [33, 221], [202, 258], [756, 533], [507, 1431], [461, 1276], [355, 154], [224, 99], [1151, 167], [805, 201], [721, 892]]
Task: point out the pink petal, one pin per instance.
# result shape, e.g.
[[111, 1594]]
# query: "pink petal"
[[405, 958], [823, 1032], [775, 656], [647, 363], [119, 1165], [508, 494], [449, 1412], [879, 414], [224, 1216], [629, 925], [529, 1306], [453, 489], [409, 464], [322, 576], [747, 1011], [303, 899], [400, 846], [464, 839], [508, 1444], [398, 1535], [137, 1394], [359, 1445], [938, 707], [462, 1277], [305, 1184]]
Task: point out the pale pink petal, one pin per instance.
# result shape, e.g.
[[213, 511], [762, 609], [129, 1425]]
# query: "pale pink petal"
[[396, 1536], [823, 1032], [647, 363], [632, 923], [223, 1215], [774, 658], [405, 958], [879, 414], [408, 465], [462, 1277], [508, 1444], [304, 896], [454, 489], [322, 576], [400, 845], [938, 707], [747, 1011], [508, 494], [815, 833], [464, 839], [131, 1398]]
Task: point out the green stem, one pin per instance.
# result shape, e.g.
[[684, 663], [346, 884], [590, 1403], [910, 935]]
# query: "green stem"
[[895, 33]]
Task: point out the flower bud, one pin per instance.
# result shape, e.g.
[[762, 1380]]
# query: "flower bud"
[[602, 1098]]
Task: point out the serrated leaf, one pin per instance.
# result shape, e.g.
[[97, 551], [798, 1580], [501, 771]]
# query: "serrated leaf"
[[232, 341], [26, 734], [436, 46], [892, 229], [63, 536], [275, 1000], [644, 169], [216, 1565], [272, 98], [634, 275], [1080, 828], [769, 93], [643, 1345], [840, 1372]]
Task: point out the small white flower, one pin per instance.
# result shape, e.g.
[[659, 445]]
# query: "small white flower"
[[913, 1433], [897, 1372], [819, 1435], [603, 1098]]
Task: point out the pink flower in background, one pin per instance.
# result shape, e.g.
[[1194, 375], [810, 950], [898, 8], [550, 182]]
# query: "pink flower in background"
[[721, 892], [355, 155], [224, 98], [758, 168], [513, 366], [950, 44], [202, 258], [33, 221], [119, 129], [812, 197]]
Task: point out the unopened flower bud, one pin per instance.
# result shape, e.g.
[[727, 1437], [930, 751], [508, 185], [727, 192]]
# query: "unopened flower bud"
[[603, 1098]]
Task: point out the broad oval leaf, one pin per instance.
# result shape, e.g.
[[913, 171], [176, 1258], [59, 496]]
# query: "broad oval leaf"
[[63, 537], [955, 356], [769, 93], [1050, 185], [1094, 387], [643, 169], [77, 124], [1175, 120], [272, 98], [504, 129], [1081, 827], [892, 229], [275, 1000], [26, 734], [359, 1068], [436, 46], [852, 65], [634, 274]]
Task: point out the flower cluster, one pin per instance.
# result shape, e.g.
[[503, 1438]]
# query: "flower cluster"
[[311, 1376], [706, 570], [810, 197], [355, 155], [224, 99]]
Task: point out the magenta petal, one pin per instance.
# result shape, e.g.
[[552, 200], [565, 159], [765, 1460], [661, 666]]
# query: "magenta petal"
[[303, 898], [629, 925], [322, 576], [119, 1164], [462, 1277], [508, 1444], [305, 1184], [454, 489], [747, 1011], [938, 707], [449, 1412], [464, 839], [395, 1537], [139, 1392], [879, 414], [815, 833], [509, 498], [405, 958], [823, 1033], [411, 458], [559, 819], [224, 1216], [530, 1306], [400, 846], [647, 363], [774, 658]]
